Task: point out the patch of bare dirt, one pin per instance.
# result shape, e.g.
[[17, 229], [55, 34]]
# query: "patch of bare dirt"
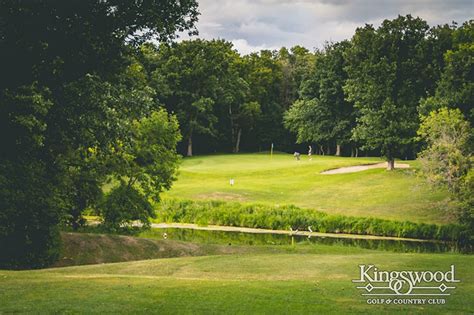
[[222, 196]]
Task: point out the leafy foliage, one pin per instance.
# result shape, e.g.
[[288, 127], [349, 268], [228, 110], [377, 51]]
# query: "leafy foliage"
[[62, 94], [195, 74], [449, 137], [144, 166], [447, 160], [455, 89], [149, 159], [386, 80], [323, 115], [123, 205]]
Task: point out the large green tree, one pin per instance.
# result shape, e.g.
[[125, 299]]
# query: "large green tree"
[[243, 111], [144, 166], [386, 79], [323, 115], [195, 74], [265, 79], [61, 94]]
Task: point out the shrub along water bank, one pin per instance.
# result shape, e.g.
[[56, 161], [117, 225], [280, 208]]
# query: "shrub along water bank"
[[289, 216]]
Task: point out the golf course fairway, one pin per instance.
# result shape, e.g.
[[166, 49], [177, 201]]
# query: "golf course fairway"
[[280, 179], [314, 279]]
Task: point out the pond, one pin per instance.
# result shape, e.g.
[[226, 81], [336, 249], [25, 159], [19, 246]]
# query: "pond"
[[240, 238]]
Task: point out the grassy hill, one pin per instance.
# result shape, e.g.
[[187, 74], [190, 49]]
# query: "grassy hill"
[[399, 195], [258, 279]]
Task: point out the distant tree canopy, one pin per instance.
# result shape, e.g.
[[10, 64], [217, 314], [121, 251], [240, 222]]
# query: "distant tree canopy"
[[455, 89], [225, 101], [368, 92], [200, 80], [360, 94]]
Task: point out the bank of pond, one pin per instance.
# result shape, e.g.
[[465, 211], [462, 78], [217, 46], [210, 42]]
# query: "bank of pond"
[[232, 238], [289, 217]]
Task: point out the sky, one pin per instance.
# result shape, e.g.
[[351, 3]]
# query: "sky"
[[252, 25]]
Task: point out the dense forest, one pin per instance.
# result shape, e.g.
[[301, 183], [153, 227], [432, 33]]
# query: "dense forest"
[[226, 102], [88, 97]]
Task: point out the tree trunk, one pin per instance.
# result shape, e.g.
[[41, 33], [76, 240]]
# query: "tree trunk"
[[328, 151], [338, 150], [76, 213], [390, 164], [321, 150], [232, 131], [190, 146], [75, 220], [357, 152], [237, 142]]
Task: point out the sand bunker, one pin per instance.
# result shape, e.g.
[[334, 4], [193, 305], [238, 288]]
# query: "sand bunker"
[[359, 168]]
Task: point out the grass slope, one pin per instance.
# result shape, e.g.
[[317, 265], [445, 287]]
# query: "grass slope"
[[91, 248], [399, 195], [263, 280]]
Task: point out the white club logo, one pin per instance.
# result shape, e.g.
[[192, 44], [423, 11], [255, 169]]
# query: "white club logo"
[[406, 282]]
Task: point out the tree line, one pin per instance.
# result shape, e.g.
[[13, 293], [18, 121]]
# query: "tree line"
[[225, 102], [93, 114], [366, 93]]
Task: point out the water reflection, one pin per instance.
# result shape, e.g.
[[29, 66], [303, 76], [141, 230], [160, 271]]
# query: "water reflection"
[[239, 238]]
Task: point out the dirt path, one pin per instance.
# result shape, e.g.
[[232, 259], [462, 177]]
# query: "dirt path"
[[359, 168], [267, 231]]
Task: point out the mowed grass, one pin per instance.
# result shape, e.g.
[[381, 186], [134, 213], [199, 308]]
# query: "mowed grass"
[[399, 194], [229, 279], [263, 280]]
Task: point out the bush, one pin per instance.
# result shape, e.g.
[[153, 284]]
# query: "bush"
[[124, 205]]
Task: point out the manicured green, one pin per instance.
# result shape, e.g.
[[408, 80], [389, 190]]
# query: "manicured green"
[[263, 280], [400, 194]]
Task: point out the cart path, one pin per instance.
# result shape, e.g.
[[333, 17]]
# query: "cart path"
[[359, 168]]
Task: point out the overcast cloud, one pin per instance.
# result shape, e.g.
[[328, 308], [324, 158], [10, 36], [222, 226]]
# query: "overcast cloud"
[[271, 24]]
